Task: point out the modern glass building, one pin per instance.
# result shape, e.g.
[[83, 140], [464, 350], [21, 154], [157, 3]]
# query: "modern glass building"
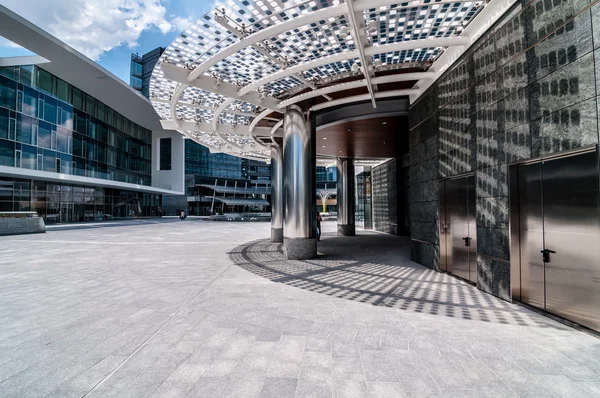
[[141, 70], [76, 143]]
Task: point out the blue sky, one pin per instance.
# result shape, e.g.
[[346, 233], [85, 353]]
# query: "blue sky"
[[108, 31]]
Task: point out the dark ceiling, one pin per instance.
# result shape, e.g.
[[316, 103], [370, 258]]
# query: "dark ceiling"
[[380, 137]]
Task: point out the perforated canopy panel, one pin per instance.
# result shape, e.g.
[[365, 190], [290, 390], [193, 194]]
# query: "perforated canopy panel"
[[226, 80]]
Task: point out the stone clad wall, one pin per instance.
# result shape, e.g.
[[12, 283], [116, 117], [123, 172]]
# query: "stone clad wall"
[[528, 87], [385, 204], [19, 226]]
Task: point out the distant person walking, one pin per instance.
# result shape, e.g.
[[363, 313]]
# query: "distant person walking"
[[182, 215], [319, 219]]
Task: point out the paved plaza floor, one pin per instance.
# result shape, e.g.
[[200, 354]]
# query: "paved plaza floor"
[[208, 309]]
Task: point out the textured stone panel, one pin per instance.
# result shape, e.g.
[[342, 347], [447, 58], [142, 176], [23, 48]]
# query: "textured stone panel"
[[484, 60], [19, 226], [485, 274], [484, 241], [492, 181], [500, 243], [425, 254], [597, 56], [516, 144], [486, 93], [568, 44], [501, 280], [487, 152], [570, 128], [428, 232], [487, 121], [492, 212], [596, 25], [424, 191], [424, 150], [512, 76], [486, 185], [425, 212], [565, 87], [546, 17]]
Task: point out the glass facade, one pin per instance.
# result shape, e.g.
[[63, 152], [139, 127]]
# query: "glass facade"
[[199, 161], [326, 177], [141, 70], [49, 125], [63, 203]]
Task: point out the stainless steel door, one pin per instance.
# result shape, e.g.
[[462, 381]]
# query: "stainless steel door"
[[471, 213], [459, 228], [571, 230], [532, 235]]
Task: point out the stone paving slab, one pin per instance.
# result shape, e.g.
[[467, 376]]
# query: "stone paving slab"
[[204, 309]]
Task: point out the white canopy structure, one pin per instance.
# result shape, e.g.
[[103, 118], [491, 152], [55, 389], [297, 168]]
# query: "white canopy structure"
[[226, 80]]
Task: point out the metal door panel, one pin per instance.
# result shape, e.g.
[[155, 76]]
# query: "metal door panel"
[[457, 210], [444, 231], [532, 235], [472, 233], [571, 229]]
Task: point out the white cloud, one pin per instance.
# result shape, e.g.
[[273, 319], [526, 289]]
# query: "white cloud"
[[180, 23], [96, 26]]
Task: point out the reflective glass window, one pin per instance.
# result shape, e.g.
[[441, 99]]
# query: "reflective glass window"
[[8, 93], [28, 157], [24, 128], [50, 110], [62, 90], [4, 123], [44, 80], [7, 153]]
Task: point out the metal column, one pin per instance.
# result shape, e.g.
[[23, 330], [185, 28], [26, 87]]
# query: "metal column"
[[346, 193], [299, 189], [276, 194]]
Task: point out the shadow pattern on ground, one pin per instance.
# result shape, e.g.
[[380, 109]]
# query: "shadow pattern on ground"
[[376, 269]]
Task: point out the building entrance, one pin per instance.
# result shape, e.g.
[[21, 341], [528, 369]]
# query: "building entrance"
[[559, 236], [458, 242]]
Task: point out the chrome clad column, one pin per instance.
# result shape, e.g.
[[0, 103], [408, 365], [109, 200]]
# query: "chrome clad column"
[[299, 213], [345, 197], [276, 194]]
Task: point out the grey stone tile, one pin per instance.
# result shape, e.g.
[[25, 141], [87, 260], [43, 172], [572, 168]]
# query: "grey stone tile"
[[419, 384], [314, 389], [348, 388], [279, 387], [268, 334], [378, 389], [208, 387], [379, 372]]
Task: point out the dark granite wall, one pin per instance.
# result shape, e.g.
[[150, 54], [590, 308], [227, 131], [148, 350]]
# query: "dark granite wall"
[[385, 202], [528, 87]]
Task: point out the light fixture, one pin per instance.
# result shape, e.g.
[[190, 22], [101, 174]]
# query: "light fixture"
[[324, 138], [218, 82], [383, 122], [377, 64], [263, 96], [349, 130], [344, 32], [323, 146], [355, 68], [372, 26]]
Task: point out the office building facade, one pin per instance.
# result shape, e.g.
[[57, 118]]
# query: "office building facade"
[[77, 144], [141, 70]]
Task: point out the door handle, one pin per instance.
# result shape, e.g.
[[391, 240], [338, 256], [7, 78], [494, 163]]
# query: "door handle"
[[546, 255], [467, 241]]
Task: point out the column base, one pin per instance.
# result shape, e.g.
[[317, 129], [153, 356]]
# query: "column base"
[[276, 235], [346, 230], [300, 248]]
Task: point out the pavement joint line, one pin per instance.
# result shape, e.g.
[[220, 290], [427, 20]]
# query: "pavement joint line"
[[115, 370]]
